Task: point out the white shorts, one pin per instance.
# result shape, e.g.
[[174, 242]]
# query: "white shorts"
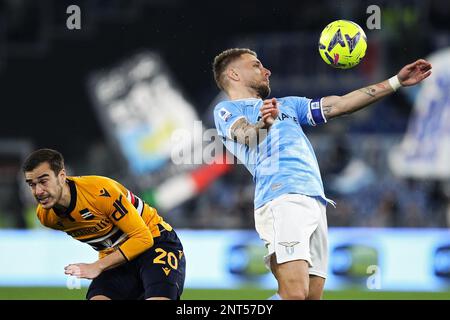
[[294, 226]]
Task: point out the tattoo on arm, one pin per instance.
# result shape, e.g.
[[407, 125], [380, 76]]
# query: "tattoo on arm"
[[369, 91], [326, 110], [249, 134], [335, 106]]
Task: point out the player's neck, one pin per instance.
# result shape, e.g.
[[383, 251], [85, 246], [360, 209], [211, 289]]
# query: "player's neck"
[[64, 202], [242, 93]]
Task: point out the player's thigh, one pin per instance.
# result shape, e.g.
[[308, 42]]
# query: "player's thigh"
[[162, 268], [286, 225], [319, 245], [119, 283], [292, 278]]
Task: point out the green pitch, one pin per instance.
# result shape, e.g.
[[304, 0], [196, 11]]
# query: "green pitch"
[[38, 293]]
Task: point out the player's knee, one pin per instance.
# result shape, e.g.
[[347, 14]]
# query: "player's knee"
[[314, 296], [100, 297], [295, 294]]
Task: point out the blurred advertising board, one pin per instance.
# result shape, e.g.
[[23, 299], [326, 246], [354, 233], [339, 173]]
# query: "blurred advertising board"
[[140, 106], [367, 259]]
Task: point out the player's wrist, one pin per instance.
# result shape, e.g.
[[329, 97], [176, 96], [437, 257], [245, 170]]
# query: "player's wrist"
[[264, 123], [394, 82], [269, 122], [100, 265]]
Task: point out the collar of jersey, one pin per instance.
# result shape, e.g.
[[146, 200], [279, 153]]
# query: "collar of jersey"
[[248, 99]]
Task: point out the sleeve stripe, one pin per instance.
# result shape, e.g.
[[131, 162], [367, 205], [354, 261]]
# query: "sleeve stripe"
[[120, 250], [132, 198]]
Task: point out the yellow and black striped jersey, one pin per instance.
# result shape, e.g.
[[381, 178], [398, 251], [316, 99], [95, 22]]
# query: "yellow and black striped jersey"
[[107, 216]]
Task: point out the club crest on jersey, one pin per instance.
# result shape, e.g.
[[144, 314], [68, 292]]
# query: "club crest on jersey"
[[289, 246], [225, 114], [86, 214]]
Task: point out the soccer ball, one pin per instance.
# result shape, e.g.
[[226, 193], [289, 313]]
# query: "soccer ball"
[[342, 44]]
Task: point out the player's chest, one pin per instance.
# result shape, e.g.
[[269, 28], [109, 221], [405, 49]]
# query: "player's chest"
[[80, 218], [285, 114]]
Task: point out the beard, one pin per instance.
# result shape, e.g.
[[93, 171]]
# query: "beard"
[[262, 89]]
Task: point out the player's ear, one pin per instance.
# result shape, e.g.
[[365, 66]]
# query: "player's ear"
[[232, 74], [62, 175]]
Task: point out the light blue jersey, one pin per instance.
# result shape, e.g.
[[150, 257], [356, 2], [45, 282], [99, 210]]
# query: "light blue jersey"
[[284, 162]]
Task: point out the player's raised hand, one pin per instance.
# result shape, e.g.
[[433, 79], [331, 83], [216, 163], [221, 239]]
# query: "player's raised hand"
[[83, 270], [269, 111], [415, 72]]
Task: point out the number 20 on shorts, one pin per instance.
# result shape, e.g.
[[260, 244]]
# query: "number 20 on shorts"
[[165, 257]]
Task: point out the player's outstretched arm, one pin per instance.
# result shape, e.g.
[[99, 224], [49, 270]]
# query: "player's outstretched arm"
[[93, 270], [409, 75]]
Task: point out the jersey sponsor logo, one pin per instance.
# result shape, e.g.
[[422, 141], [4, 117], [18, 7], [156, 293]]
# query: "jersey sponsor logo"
[[84, 232], [282, 116], [104, 223], [120, 211], [289, 246], [225, 114], [104, 193], [86, 214]]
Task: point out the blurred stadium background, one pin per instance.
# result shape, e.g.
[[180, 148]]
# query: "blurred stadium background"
[[113, 95]]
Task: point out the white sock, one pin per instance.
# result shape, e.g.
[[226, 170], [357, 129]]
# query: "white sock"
[[276, 296]]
